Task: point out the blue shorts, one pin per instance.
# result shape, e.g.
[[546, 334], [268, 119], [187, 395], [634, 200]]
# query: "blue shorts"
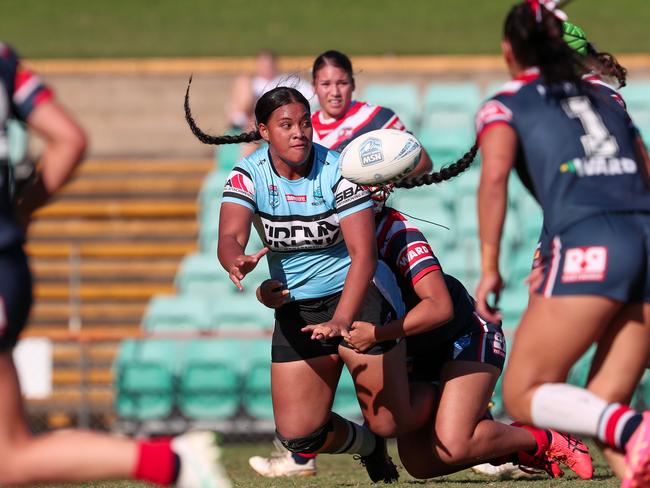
[[15, 296], [480, 342], [605, 255]]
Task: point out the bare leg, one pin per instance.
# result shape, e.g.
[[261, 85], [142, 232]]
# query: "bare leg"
[[383, 391], [61, 456], [619, 364]]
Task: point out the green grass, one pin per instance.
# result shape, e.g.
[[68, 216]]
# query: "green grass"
[[140, 28], [342, 470]]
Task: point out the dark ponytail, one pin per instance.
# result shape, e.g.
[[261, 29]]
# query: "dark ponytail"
[[446, 173], [536, 37], [264, 107], [608, 65]]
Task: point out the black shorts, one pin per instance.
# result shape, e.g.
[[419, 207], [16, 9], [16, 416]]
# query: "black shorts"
[[480, 341], [15, 296], [290, 344]]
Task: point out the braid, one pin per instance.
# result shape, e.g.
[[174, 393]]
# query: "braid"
[[446, 173], [216, 140], [609, 66]]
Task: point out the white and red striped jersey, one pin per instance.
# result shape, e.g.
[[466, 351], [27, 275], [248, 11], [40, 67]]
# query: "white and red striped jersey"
[[360, 118]]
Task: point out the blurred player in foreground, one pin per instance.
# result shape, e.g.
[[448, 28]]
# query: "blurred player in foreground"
[[189, 461], [579, 154]]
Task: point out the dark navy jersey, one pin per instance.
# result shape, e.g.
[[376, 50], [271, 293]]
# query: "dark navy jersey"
[[576, 149], [361, 117], [409, 256], [20, 93]]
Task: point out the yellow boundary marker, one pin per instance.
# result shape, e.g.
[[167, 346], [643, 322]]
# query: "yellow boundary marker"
[[366, 64]]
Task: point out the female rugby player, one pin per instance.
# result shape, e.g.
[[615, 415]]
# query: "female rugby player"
[[318, 231], [189, 461], [579, 154]]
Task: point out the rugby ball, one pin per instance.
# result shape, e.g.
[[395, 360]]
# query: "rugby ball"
[[380, 156]]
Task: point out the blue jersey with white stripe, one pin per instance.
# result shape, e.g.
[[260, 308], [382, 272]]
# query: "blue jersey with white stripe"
[[576, 148], [299, 220]]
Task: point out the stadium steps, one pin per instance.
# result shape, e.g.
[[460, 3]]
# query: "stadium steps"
[[123, 226]]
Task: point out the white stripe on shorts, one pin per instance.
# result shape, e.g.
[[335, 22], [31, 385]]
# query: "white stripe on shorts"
[[555, 265]]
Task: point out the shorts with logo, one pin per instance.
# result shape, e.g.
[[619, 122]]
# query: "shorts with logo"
[[290, 344], [15, 295], [480, 342], [604, 255]]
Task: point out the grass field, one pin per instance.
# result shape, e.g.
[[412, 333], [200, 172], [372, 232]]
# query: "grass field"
[[342, 470], [141, 28]]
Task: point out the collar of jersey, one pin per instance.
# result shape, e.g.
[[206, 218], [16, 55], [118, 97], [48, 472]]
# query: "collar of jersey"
[[529, 74], [332, 124], [312, 156]]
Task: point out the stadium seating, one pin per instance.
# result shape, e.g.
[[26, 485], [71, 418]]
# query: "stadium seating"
[[202, 275], [256, 391], [145, 372], [210, 380], [402, 98], [637, 98], [169, 313]]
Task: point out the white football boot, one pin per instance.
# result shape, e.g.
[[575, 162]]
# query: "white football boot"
[[200, 457], [281, 463], [506, 471]]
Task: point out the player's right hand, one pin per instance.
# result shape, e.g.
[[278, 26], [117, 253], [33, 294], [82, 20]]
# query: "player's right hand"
[[243, 265], [489, 285], [272, 293]]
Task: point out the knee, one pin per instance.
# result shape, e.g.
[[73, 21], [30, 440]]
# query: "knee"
[[515, 395], [452, 448], [306, 444], [383, 424]]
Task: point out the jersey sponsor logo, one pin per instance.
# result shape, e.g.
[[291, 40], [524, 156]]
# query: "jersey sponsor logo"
[[413, 253], [492, 111], [584, 264], [240, 184], [499, 344], [348, 192], [370, 152], [599, 166], [296, 198], [300, 236]]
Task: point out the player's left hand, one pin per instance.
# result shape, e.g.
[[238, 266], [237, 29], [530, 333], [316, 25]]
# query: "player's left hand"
[[362, 336], [329, 329]]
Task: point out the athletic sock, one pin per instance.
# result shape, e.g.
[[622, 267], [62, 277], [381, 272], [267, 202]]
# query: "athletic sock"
[[617, 424], [301, 458], [360, 440], [542, 438], [567, 408], [157, 463]]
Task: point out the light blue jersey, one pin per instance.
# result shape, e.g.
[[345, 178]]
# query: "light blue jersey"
[[299, 220]]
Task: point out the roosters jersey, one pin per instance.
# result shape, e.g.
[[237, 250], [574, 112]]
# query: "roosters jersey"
[[360, 118], [20, 92], [409, 256], [299, 220], [576, 148]]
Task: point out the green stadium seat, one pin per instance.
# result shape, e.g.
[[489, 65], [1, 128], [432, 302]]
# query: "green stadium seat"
[[346, 403], [211, 190], [493, 88], [257, 391], [402, 98], [452, 97], [227, 155], [239, 311], [513, 302], [637, 99], [202, 275], [167, 313], [445, 143], [580, 370], [210, 379], [145, 372]]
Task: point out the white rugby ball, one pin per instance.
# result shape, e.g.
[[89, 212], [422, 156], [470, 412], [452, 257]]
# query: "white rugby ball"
[[380, 156]]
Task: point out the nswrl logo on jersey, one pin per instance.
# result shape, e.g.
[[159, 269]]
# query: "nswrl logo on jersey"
[[370, 152]]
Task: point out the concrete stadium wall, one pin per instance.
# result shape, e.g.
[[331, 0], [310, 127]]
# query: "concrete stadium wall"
[[134, 108]]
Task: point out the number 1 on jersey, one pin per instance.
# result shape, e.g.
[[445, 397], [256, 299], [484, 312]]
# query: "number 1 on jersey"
[[597, 140]]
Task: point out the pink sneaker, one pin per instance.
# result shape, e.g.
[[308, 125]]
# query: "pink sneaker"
[[572, 452], [637, 456]]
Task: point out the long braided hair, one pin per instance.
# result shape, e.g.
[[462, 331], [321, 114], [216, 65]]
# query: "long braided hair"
[[446, 173], [265, 106]]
